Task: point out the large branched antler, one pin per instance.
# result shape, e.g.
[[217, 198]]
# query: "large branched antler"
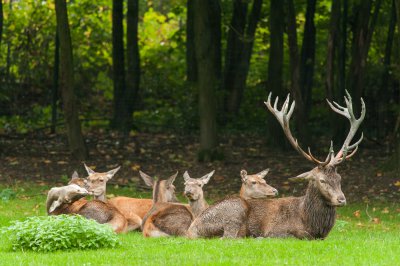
[[283, 117], [355, 123]]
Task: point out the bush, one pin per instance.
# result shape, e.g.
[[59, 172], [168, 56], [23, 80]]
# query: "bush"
[[50, 233]]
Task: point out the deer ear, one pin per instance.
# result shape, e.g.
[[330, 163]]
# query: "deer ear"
[[243, 175], [147, 179], [263, 173], [88, 170], [54, 206], [74, 175], [186, 176], [206, 178], [111, 173], [171, 179], [304, 176]]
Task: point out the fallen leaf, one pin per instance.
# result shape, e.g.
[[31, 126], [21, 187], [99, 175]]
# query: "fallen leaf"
[[357, 213], [397, 183], [376, 220], [385, 210]]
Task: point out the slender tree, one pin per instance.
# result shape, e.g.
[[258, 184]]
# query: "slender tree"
[[75, 139], [238, 53], [207, 26], [397, 133], [133, 57], [54, 89], [121, 119], [275, 68], [363, 29], [191, 65]]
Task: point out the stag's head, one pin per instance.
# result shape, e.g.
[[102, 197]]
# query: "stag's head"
[[194, 186], [163, 190], [324, 176], [97, 182], [255, 187]]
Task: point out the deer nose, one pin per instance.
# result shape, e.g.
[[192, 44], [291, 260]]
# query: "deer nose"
[[341, 200], [275, 191]]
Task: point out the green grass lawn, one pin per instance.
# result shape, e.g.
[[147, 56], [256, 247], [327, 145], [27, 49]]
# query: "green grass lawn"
[[373, 238]]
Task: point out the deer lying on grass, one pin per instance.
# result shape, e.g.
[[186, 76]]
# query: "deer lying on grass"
[[66, 194], [100, 211], [135, 209], [227, 218], [165, 219], [311, 216]]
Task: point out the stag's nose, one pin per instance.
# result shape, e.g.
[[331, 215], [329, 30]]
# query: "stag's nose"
[[341, 200]]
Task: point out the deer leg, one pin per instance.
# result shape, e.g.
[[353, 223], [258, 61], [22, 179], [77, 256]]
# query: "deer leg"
[[134, 223]]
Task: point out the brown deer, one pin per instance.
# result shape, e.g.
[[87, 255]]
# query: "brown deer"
[[227, 218], [96, 182], [100, 211], [313, 215], [165, 219], [135, 209]]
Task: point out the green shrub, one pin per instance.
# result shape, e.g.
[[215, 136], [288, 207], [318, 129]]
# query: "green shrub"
[[7, 194], [50, 233]]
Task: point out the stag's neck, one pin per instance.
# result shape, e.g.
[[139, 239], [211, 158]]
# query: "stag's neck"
[[198, 206], [319, 217]]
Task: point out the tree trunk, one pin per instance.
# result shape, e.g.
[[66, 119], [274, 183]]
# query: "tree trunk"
[[75, 139], [54, 91], [121, 119], [275, 70], [191, 65], [362, 34], [1, 20], [238, 53], [397, 136], [307, 63], [133, 57], [207, 45]]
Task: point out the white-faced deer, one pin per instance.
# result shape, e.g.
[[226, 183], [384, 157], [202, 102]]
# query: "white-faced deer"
[[227, 218], [100, 211], [166, 219], [311, 216], [135, 209], [66, 194]]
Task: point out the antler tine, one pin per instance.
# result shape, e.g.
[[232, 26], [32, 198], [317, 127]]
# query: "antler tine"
[[354, 125], [283, 117]]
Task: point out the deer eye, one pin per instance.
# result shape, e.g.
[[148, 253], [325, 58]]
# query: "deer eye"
[[322, 181], [254, 182], [199, 185]]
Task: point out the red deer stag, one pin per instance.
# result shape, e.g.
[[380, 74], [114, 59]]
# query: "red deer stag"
[[227, 218], [311, 216]]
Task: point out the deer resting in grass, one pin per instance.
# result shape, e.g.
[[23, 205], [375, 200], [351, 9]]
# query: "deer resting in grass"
[[311, 216], [135, 209], [166, 219], [227, 218], [98, 210], [66, 194]]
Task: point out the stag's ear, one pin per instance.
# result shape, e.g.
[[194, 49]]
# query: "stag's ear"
[[171, 179], [243, 175], [74, 175], [304, 176], [88, 170], [111, 173], [206, 178], [263, 173], [186, 176], [54, 206], [147, 179]]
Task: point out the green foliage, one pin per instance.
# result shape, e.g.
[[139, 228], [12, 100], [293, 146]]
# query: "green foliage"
[[7, 194], [63, 232]]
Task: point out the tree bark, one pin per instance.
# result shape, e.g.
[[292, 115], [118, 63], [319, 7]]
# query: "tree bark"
[[133, 57], [75, 139], [307, 61], [121, 119], [191, 65], [397, 136], [275, 69], [362, 34], [238, 53], [54, 91], [207, 45]]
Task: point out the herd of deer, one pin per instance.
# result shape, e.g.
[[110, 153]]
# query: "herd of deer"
[[251, 214]]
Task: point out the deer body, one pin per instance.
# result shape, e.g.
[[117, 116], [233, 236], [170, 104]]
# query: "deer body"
[[228, 217], [166, 219]]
